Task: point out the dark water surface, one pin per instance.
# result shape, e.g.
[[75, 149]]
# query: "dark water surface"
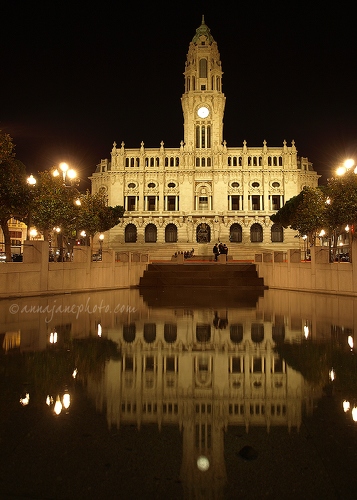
[[178, 394]]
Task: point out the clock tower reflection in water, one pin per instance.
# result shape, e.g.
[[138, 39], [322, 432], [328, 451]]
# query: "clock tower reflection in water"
[[213, 382], [168, 193]]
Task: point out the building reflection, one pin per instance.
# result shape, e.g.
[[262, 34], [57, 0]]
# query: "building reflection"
[[201, 368]]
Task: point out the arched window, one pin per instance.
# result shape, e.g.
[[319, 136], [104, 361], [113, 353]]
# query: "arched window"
[[235, 234], [170, 333], [256, 233], [130, 233], [278, 329], [129, 332], [236, 333], [149, 332], [170, 233], [257, 332], [277, 233], [203, 136], [203, 68], [150, 233]]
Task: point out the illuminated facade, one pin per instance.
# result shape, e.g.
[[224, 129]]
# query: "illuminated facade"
[[18, 233], [203, 191]]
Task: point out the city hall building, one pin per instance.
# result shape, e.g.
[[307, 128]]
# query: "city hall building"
[[203, 191]]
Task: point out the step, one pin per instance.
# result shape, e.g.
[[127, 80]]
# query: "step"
[[236, 276], [214, 282]]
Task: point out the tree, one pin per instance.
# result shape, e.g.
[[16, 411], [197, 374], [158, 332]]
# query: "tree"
[[306, 213], [14, 190], [54, 206], [95, 215], [341, 209]]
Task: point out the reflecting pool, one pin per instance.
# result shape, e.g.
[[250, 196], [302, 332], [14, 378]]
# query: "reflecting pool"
[[178, 394]]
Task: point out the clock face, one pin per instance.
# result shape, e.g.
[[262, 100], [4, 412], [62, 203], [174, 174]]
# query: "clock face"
[[203, 112]]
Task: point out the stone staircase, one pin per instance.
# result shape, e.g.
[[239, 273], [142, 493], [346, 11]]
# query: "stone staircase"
[[238, 276]]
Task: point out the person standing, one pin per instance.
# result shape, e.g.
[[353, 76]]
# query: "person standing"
[[215, 251]]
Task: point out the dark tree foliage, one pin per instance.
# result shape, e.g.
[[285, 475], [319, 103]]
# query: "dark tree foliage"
[[14, 190]]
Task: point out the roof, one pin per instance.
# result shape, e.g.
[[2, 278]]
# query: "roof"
[[203, 30]]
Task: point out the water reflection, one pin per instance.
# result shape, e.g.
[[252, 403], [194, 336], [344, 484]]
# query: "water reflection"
[[216, 369]]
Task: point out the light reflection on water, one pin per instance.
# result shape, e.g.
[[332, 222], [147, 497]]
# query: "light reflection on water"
[[197, 394]]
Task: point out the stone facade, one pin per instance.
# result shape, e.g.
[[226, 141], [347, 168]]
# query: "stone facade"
[[203, 191]]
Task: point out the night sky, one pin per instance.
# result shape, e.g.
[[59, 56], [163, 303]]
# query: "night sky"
[[77, 76]]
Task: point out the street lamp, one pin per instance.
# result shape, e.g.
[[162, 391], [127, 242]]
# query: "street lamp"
[[347, 165], [31, 181], [33, 233], [67, 172], [101, 238]]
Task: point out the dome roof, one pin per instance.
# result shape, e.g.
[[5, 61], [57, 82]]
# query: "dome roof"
[[203, 30]]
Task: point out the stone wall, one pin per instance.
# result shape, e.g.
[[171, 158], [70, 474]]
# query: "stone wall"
[[285, 270], [37, 276]]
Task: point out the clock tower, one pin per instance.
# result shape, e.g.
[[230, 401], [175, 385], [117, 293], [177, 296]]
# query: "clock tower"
[[203, 100]]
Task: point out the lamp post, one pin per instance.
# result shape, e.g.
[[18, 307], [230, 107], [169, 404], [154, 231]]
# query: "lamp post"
[[67, 172], [31, 181], [349, 168], [101, 238], [67, 176]]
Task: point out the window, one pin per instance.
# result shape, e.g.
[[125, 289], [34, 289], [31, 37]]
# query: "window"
[[131, 202], [256, 233], [255, 202], [171, 233], [203, 202], [171, 185], [237, 365], [278, 329], [151, 203], [235, 184], [257, 332], [130, 233], [275, 202], [129, 332], [203, 68], [235, 235], [277, 233], [150, 233], [149, 332], [171, 203], [151, 185], [170, 332], [235, 202], [236, 333], [131, 185]]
